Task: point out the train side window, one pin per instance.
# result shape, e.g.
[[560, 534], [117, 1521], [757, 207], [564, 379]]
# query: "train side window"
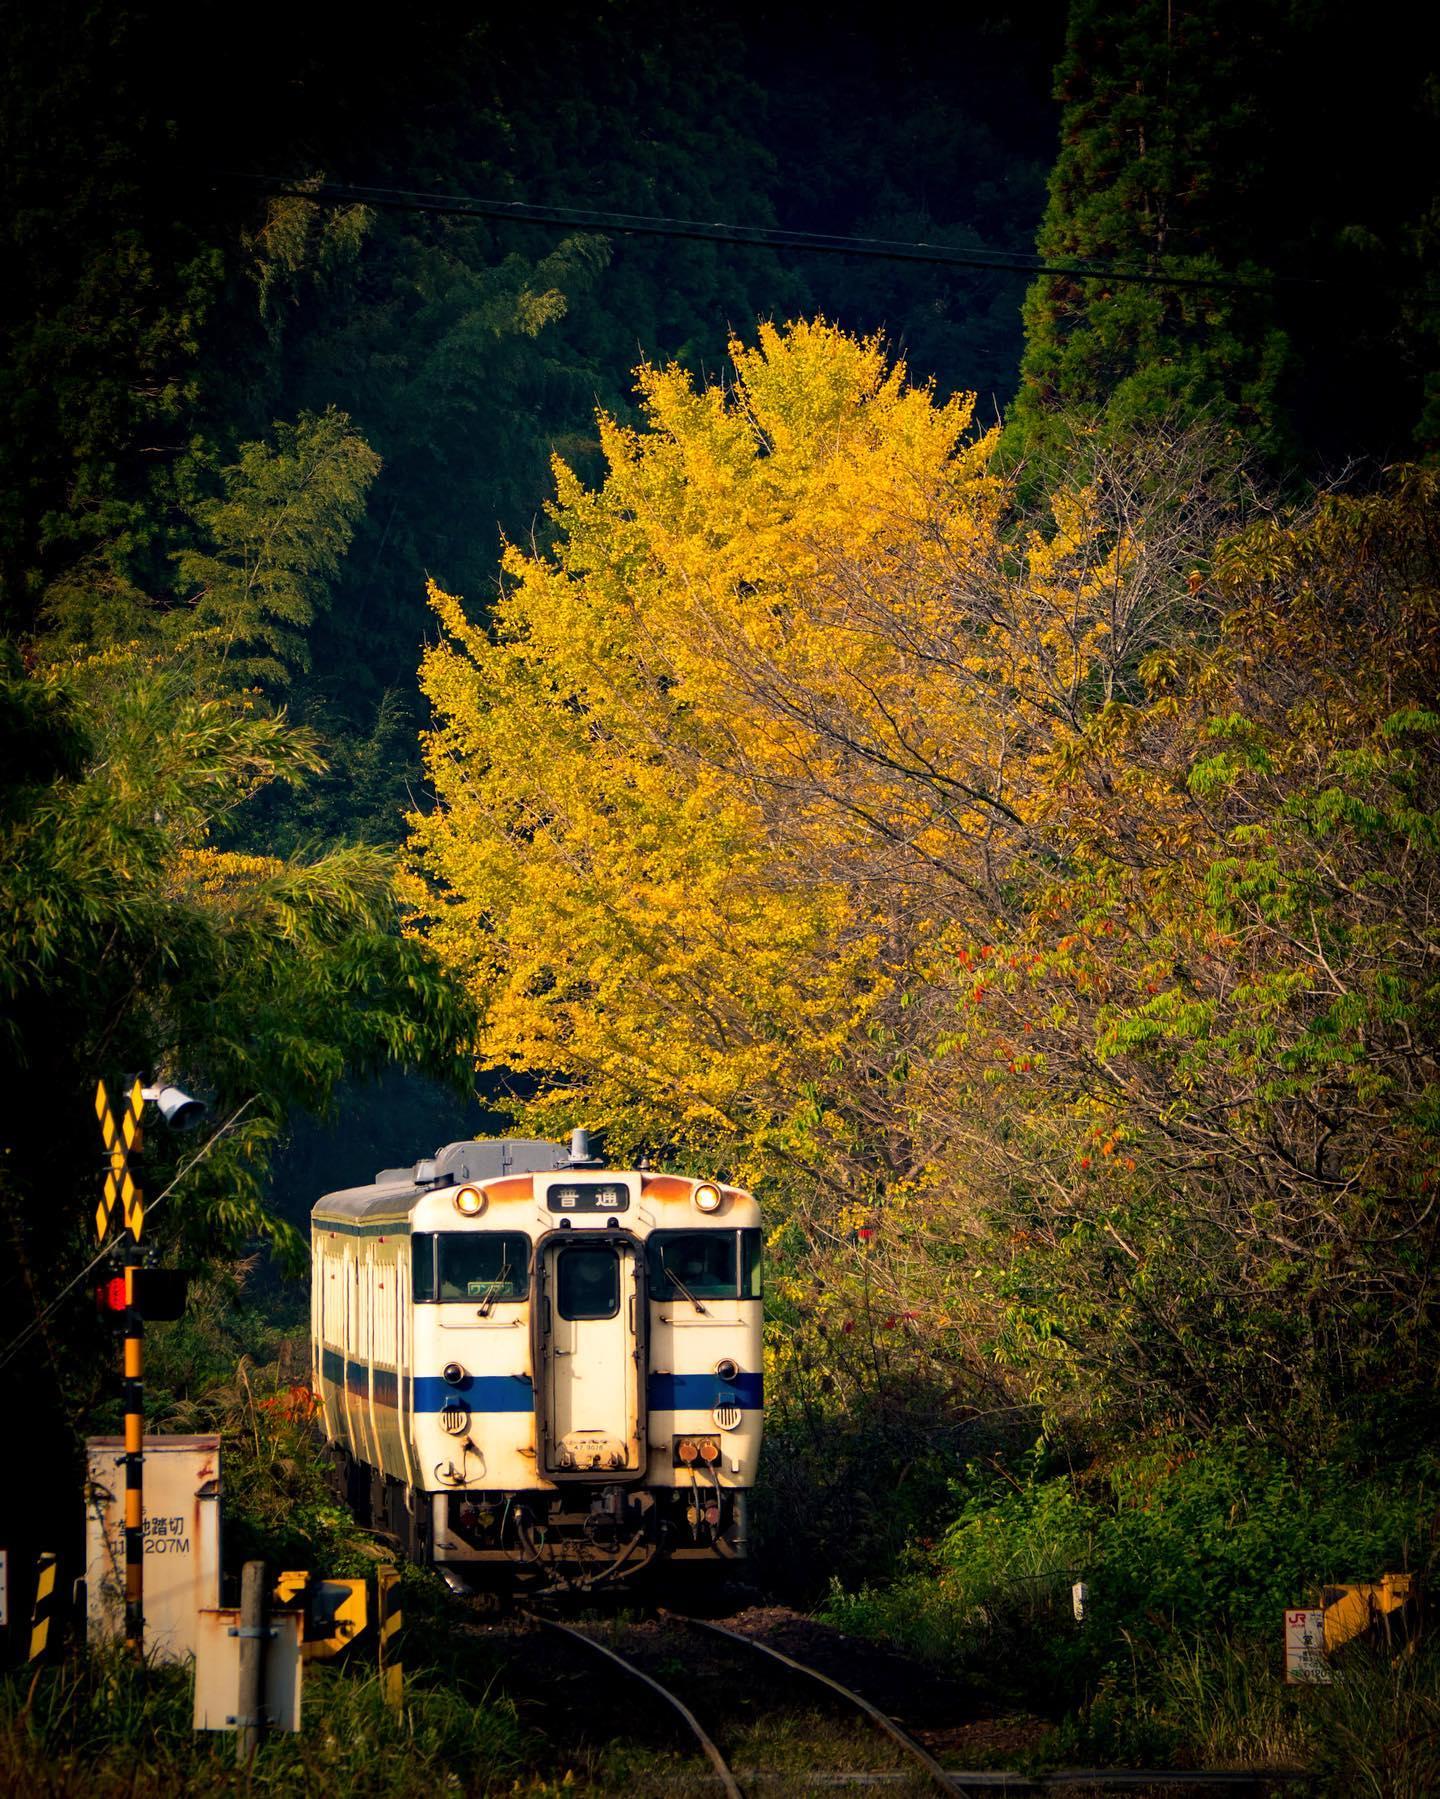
[[587, 1282], [491, 1266], [750, 1264], [422, 1265], [701, 1264]]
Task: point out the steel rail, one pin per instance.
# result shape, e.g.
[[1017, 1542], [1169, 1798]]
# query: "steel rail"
[[717, 1760], [1145, 1780], [942, 1777]]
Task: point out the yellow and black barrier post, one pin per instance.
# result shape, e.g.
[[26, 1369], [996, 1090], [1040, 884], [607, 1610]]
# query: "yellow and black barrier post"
[[134, 1456], [388, 1622], [123, 1206], [42, 1612]]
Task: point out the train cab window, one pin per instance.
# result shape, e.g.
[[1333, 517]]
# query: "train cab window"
[[692, 1264], [587, 1281], [422, 1265], [492, 1267], [750, 1264], [704, 1264]]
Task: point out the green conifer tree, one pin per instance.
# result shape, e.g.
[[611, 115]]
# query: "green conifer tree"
[[1164, 139]]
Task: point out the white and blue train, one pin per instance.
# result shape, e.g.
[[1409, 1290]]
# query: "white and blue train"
[[540, 1371]]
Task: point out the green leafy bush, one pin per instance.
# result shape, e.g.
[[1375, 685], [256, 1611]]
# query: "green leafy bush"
[[1216, 1541]]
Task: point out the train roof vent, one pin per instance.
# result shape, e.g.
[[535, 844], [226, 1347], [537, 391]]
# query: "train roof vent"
[[476, 1160], [489, 1159]]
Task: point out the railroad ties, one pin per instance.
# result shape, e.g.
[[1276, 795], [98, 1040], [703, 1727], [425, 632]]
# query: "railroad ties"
[[915, 1750], [726, 1776]]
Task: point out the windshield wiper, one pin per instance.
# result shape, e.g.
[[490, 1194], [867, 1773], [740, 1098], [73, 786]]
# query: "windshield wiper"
[[500, 1280], [671, 1275]]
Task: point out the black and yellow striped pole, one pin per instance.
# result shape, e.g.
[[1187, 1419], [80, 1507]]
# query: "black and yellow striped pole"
[[388, 1622], [122, 1204], [42, 1612], [134, 1456]]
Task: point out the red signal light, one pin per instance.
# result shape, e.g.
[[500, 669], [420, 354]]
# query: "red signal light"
[[110, 1295]]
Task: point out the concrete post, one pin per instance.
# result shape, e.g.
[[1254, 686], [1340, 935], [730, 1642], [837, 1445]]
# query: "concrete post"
[[252, 1662]]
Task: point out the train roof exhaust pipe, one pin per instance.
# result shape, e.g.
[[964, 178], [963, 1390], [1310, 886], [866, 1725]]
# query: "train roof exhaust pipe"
[[580, 1156]]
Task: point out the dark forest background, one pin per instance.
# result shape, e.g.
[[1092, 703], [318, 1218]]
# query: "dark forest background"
[[160, 316], [182, 352]]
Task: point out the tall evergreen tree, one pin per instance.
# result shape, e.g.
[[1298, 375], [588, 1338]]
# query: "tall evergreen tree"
[[1290, 147], [1163, 145]]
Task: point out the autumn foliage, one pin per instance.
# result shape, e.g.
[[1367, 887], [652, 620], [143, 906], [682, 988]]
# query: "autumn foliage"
[[1057, 888]]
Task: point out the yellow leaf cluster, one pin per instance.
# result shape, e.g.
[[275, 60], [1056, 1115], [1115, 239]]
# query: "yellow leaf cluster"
[[687, 766]]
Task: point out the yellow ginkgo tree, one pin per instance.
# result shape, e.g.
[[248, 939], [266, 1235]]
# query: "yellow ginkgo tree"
[[1060, 884], [723, 763]]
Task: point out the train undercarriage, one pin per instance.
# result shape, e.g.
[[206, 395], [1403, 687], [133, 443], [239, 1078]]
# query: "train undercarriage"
[[580, 1537]]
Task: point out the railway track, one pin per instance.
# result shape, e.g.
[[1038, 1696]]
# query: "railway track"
[[697, 1730], [726, 1775], [920, 1771], [916, 1751]]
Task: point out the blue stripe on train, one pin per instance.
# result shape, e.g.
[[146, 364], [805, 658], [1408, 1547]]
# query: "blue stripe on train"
[[698, 1392], [514, 1392], [390, 1388], [481, 1392]]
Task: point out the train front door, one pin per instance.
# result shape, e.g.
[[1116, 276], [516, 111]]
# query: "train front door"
[[591, 1360]]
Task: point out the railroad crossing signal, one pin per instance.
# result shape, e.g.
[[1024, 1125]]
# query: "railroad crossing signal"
[[122, 1203], [121, 1195]]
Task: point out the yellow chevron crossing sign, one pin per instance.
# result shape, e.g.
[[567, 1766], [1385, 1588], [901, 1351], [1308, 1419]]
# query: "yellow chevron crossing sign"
[[121, 1195], [332, 1611]]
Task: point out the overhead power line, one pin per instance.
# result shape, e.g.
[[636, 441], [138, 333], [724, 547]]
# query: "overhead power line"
[[759, 237]]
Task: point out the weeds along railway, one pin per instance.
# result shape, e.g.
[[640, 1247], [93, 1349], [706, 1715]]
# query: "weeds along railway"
[[655, 1701], [539, 1371], [790, 1726]]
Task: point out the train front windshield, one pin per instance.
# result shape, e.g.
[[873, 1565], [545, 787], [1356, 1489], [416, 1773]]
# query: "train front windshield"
[[493, 1266], [710, 1264]]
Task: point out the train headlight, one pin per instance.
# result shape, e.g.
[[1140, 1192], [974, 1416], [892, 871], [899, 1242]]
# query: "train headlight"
[[707, 1197], [470, 1201], [455, 1418], [452, 1373], [727, 1368]]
